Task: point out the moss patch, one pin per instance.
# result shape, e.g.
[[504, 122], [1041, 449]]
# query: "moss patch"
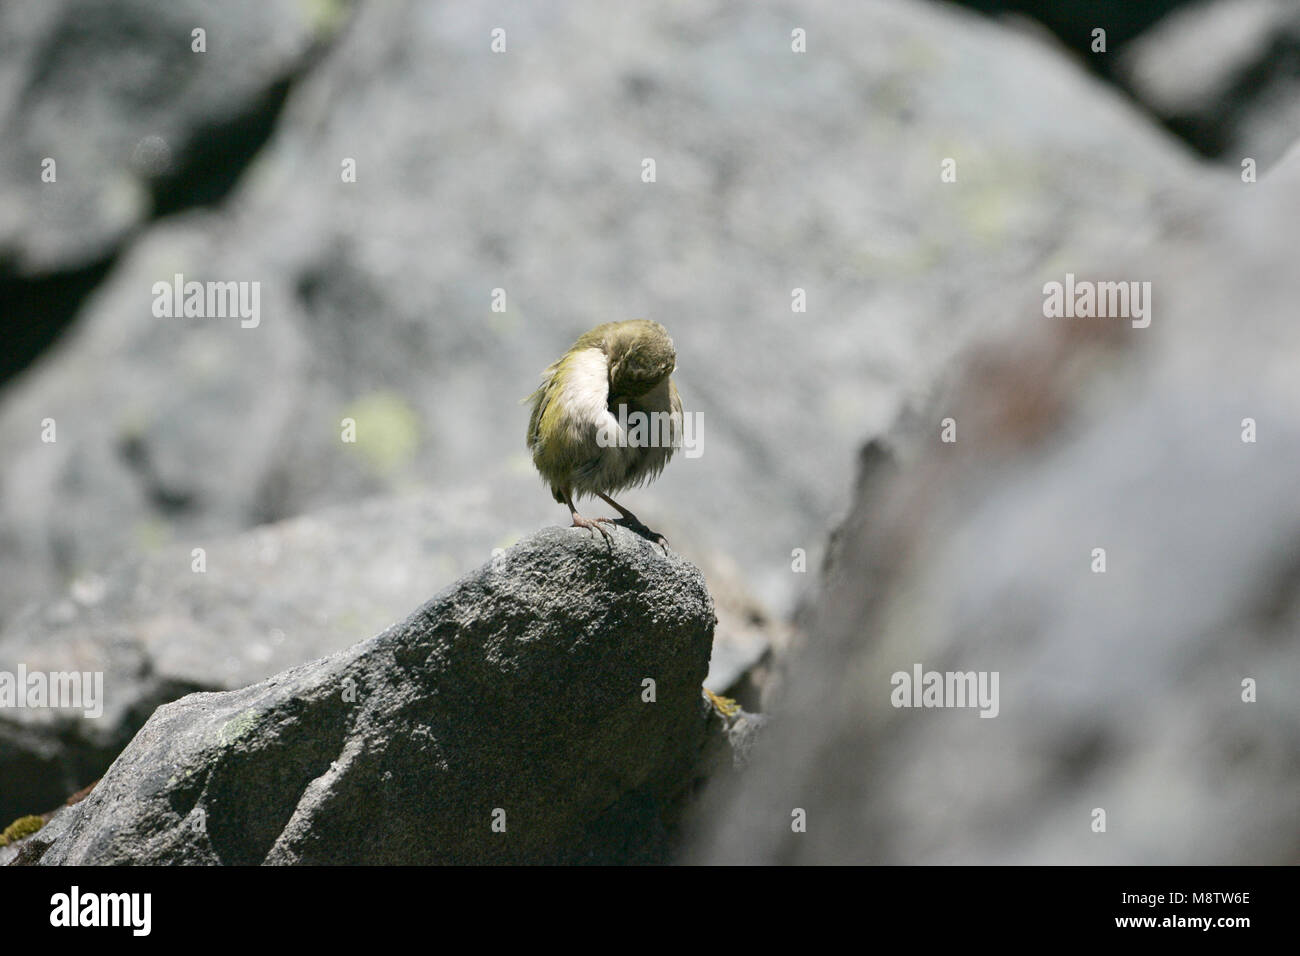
[[22, 827], [388, 431]]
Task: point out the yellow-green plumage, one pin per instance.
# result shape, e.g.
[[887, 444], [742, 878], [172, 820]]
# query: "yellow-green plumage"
[[617, 367]]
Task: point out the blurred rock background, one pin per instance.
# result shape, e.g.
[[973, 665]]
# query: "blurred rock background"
[[521, 171], [1222, 75], [1161, 692]]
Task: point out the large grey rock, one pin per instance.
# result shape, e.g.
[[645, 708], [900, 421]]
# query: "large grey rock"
[[258, 603], [263, 601], [516, 695], [1124, 691], [522, 171]]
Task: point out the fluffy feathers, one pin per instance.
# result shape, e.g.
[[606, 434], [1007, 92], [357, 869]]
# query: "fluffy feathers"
[[625, 364]]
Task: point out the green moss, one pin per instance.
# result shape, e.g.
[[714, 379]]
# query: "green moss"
[[326, 16], [152, 534], [388, 431], [723, 705], [237, 726], [22, 827]]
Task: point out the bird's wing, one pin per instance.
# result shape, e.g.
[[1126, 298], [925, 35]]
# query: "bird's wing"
[[540, 399], [574, 390]]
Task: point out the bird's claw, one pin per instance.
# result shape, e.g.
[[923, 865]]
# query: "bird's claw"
[[632, 524], [649, 535], [580, 522]]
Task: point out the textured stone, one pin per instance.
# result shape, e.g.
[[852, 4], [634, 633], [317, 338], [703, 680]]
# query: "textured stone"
[[515, 695]]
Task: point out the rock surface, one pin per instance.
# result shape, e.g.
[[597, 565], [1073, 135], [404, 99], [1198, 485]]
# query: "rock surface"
[[1127, 691], [515, 696], [264, 601], [245, 608]]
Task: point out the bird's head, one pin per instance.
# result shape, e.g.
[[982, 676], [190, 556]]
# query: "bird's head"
[[641, 355]]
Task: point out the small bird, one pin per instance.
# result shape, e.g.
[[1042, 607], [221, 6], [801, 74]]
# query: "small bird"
[[584, 432]]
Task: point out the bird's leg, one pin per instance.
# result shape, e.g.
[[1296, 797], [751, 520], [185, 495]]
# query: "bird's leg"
[[580, 522], [627, 515], [634, 522]]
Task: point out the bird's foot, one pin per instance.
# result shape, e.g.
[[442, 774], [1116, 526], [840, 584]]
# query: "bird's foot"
[[628, 521], [580, 522], [631, 522]]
